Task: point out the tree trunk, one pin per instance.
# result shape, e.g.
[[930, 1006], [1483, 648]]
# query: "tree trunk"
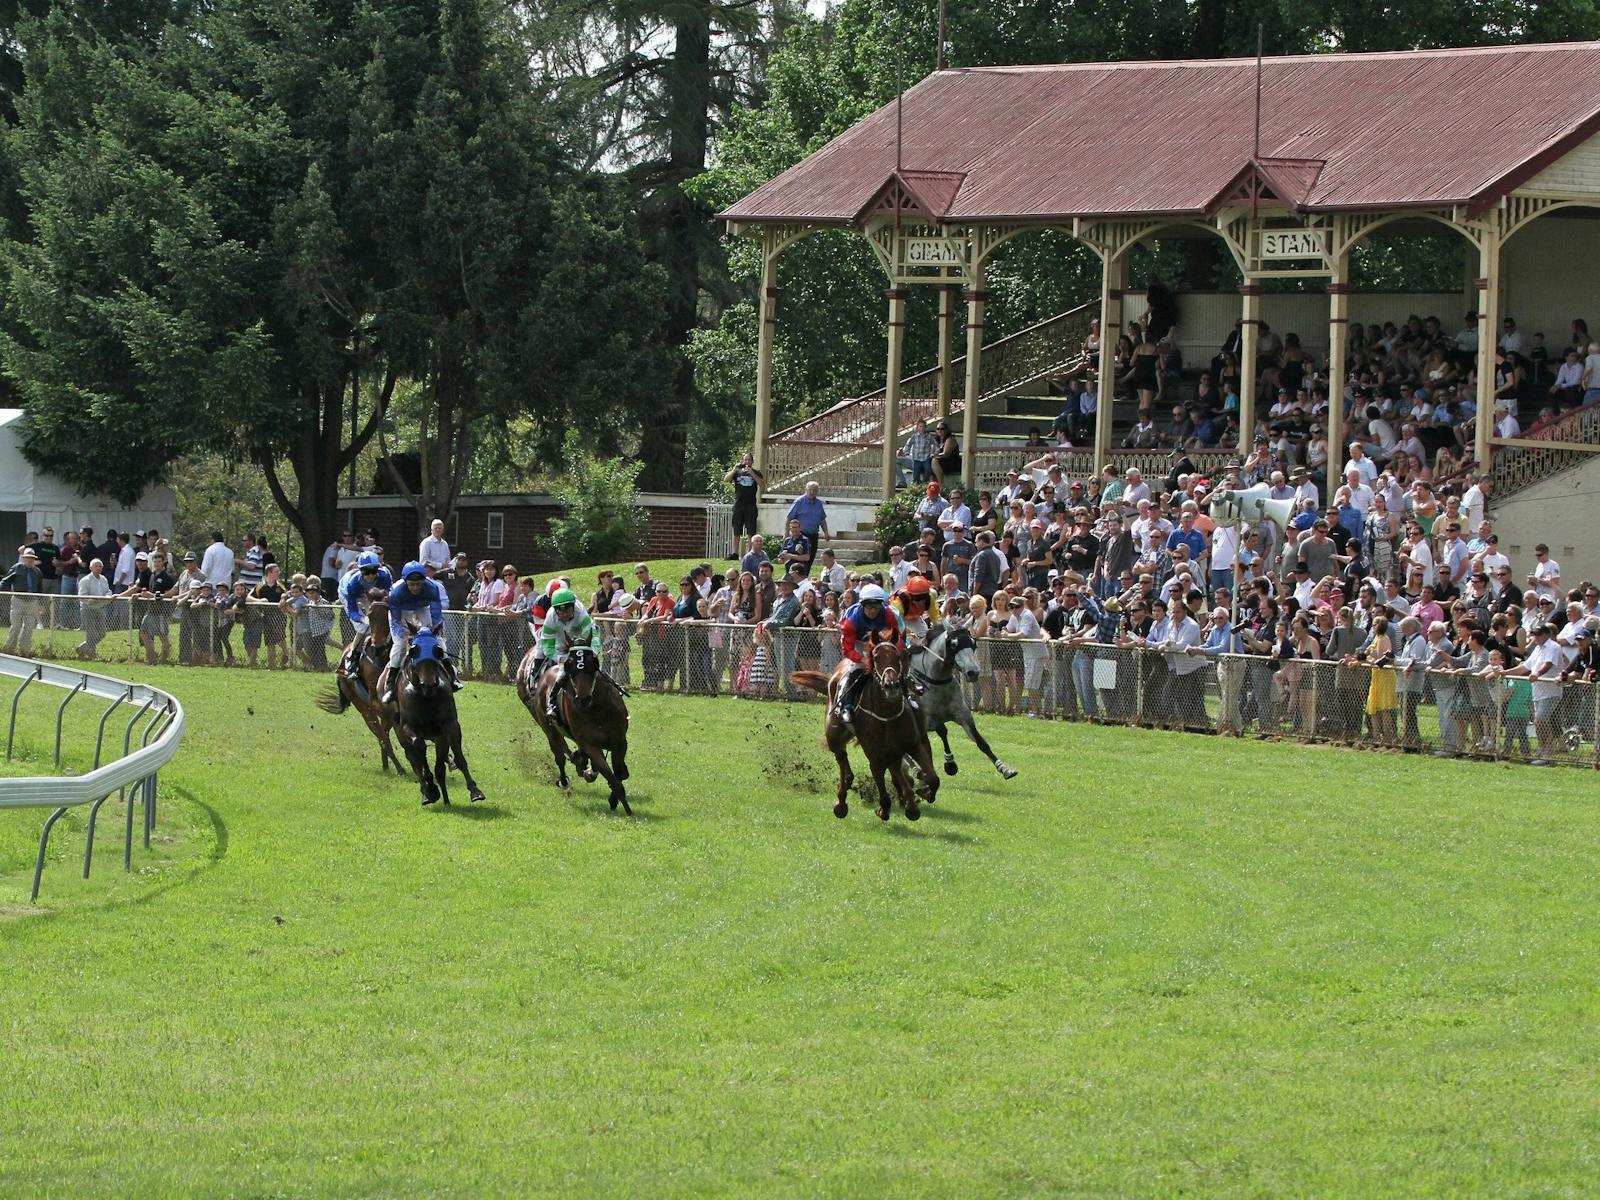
[[688, 86], [1210, 29]]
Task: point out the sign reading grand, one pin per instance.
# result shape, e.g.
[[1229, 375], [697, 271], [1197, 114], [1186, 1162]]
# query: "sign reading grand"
[[934, 252], [1294, 243]]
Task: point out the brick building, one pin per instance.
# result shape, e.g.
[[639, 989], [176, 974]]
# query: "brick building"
[[513, 528]]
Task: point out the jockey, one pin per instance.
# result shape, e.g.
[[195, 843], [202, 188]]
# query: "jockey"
[[567, 625], [869, 620], [414, 593], [911, 604], [368, 573], [540, 611]]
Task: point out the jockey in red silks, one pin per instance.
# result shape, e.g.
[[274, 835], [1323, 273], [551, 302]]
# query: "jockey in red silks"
[[870, 620]]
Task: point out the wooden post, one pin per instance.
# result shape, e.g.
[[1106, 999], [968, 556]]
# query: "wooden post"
[[1488, 283], [769, 320], [891, 387], [947, 338], [1249, 335], [1338, 340], [1113, 278], [969, 414]]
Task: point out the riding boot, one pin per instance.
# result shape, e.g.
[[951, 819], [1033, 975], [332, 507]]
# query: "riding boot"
[[554, 696], [387, 685], [847, 696]]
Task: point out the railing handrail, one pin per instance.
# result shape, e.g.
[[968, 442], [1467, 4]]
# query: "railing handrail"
[[956, 402], [69, 791]]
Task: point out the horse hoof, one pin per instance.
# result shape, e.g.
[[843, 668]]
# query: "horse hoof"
[[476, 796], [625, 809], [590, 775], [883, 813], [612, 801], [427, 800], [1005, 771], [913, 813], [950, 767], [841, 809]]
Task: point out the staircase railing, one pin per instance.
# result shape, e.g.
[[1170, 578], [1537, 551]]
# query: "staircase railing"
[[1519, 467], [839, 447]]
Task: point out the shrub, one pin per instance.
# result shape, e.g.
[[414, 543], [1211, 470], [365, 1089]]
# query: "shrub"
[[601, 518], [896, 522]]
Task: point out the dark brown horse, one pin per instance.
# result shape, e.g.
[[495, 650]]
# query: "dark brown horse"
[[593, 713], [886, 726], [424, 710], [368, 665]]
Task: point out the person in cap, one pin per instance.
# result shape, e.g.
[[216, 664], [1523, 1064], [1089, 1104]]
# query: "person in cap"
[[567, 626], [869, 620], [25, 578], [355, 593], [421, 597]]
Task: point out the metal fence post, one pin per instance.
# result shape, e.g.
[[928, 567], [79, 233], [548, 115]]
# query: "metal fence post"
[[16, 698], [61, 712]]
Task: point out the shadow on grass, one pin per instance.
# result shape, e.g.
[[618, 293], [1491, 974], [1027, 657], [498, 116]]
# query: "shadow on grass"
[[475, 812], [939, 811], [905, 829]]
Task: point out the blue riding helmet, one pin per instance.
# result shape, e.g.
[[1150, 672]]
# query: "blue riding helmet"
[[414, 570], [369, 560]]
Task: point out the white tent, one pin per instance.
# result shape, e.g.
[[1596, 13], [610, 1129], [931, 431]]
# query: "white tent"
[[31, 498]]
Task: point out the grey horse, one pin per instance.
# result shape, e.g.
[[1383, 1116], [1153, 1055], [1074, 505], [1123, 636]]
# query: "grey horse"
[[949, 653]]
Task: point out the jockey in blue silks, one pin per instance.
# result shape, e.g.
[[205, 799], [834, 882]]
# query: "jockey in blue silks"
[[414, 594]]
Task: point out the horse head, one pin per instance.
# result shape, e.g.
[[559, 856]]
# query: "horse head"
[[425, 661], [961, 648], [888, 666], [583, 667]]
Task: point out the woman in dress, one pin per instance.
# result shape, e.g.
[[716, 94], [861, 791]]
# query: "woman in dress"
[[947, 457], [1143, 374], [1381, 699], [1381, 537]]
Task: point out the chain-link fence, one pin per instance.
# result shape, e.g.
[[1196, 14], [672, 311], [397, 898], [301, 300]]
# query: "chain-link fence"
[[1454, 713]]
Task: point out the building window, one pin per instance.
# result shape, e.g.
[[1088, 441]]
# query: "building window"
[[495, 537]]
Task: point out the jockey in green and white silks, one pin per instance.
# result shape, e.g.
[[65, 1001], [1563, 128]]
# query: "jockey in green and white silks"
[[567, 625]]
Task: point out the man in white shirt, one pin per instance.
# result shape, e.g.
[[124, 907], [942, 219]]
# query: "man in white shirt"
[[1545, 578], [1512, 341], [899, 570], [216, 565], [1467, 336], [1136, 490], [122, 577], [1543, 665], [1360, 493], [1360, 463], [1304, 489], [1454, 561], [957, 513], [1506, 425], [434, 552], [1475, 502], [832, 574]]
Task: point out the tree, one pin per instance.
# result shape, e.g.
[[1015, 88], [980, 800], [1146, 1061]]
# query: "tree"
[[242, 234]]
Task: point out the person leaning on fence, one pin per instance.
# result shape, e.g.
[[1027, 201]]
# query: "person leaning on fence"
[[418, 597], [1543, 667], [94, 593], [25, 581]]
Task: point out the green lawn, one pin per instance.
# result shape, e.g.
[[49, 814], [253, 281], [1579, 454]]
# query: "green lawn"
[[1153, 964]]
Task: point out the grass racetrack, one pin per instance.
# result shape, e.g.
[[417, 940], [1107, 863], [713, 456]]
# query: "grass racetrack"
[[1153, 964]]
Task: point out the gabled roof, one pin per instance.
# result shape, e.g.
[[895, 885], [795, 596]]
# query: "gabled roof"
[[1404, 129], [922, 193]]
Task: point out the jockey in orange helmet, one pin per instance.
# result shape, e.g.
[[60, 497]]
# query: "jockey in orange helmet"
[[911, 604]]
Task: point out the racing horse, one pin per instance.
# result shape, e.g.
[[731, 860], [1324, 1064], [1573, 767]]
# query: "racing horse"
[[591, 710], [424, 710], [360, 690], [951, 652], [886, 726]]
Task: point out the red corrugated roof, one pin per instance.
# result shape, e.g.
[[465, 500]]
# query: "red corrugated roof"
[[1393, 130]]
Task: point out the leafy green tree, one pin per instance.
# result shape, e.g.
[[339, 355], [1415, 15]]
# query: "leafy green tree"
[[601, 517]]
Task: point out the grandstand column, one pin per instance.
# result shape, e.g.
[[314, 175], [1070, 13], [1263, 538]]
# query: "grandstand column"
[[891, 387], [969, 415], [947, 337], [1249, 338], [1488, 283], [1113, 278], [769, 321], [1338, 339]]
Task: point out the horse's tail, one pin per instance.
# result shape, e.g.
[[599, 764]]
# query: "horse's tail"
[[815, 680], [334, 701]]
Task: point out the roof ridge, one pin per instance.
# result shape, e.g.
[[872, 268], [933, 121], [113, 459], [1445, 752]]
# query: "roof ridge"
[[1248, 60]]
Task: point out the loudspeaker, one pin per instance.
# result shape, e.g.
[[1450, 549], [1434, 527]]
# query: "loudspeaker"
[[1253, 505]]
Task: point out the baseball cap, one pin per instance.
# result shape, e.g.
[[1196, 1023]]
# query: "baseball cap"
[[140, 555]]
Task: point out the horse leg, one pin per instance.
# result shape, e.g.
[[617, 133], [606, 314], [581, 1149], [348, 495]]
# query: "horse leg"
[[473, 790], [938, 727], [878, 771], [618, 794], [619, 760], [384, 732], [902, 784], [375, 726], [923, 757], [441, 768], [847, 777], [971, 727], [558, 750], [417, 751]]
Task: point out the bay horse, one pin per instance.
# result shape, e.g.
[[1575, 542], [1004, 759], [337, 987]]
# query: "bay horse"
[[887, 727], [360, 691], [592, 711], [950, 652], [424, 710]]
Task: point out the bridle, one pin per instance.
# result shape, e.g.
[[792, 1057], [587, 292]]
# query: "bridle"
[[888, 679]]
